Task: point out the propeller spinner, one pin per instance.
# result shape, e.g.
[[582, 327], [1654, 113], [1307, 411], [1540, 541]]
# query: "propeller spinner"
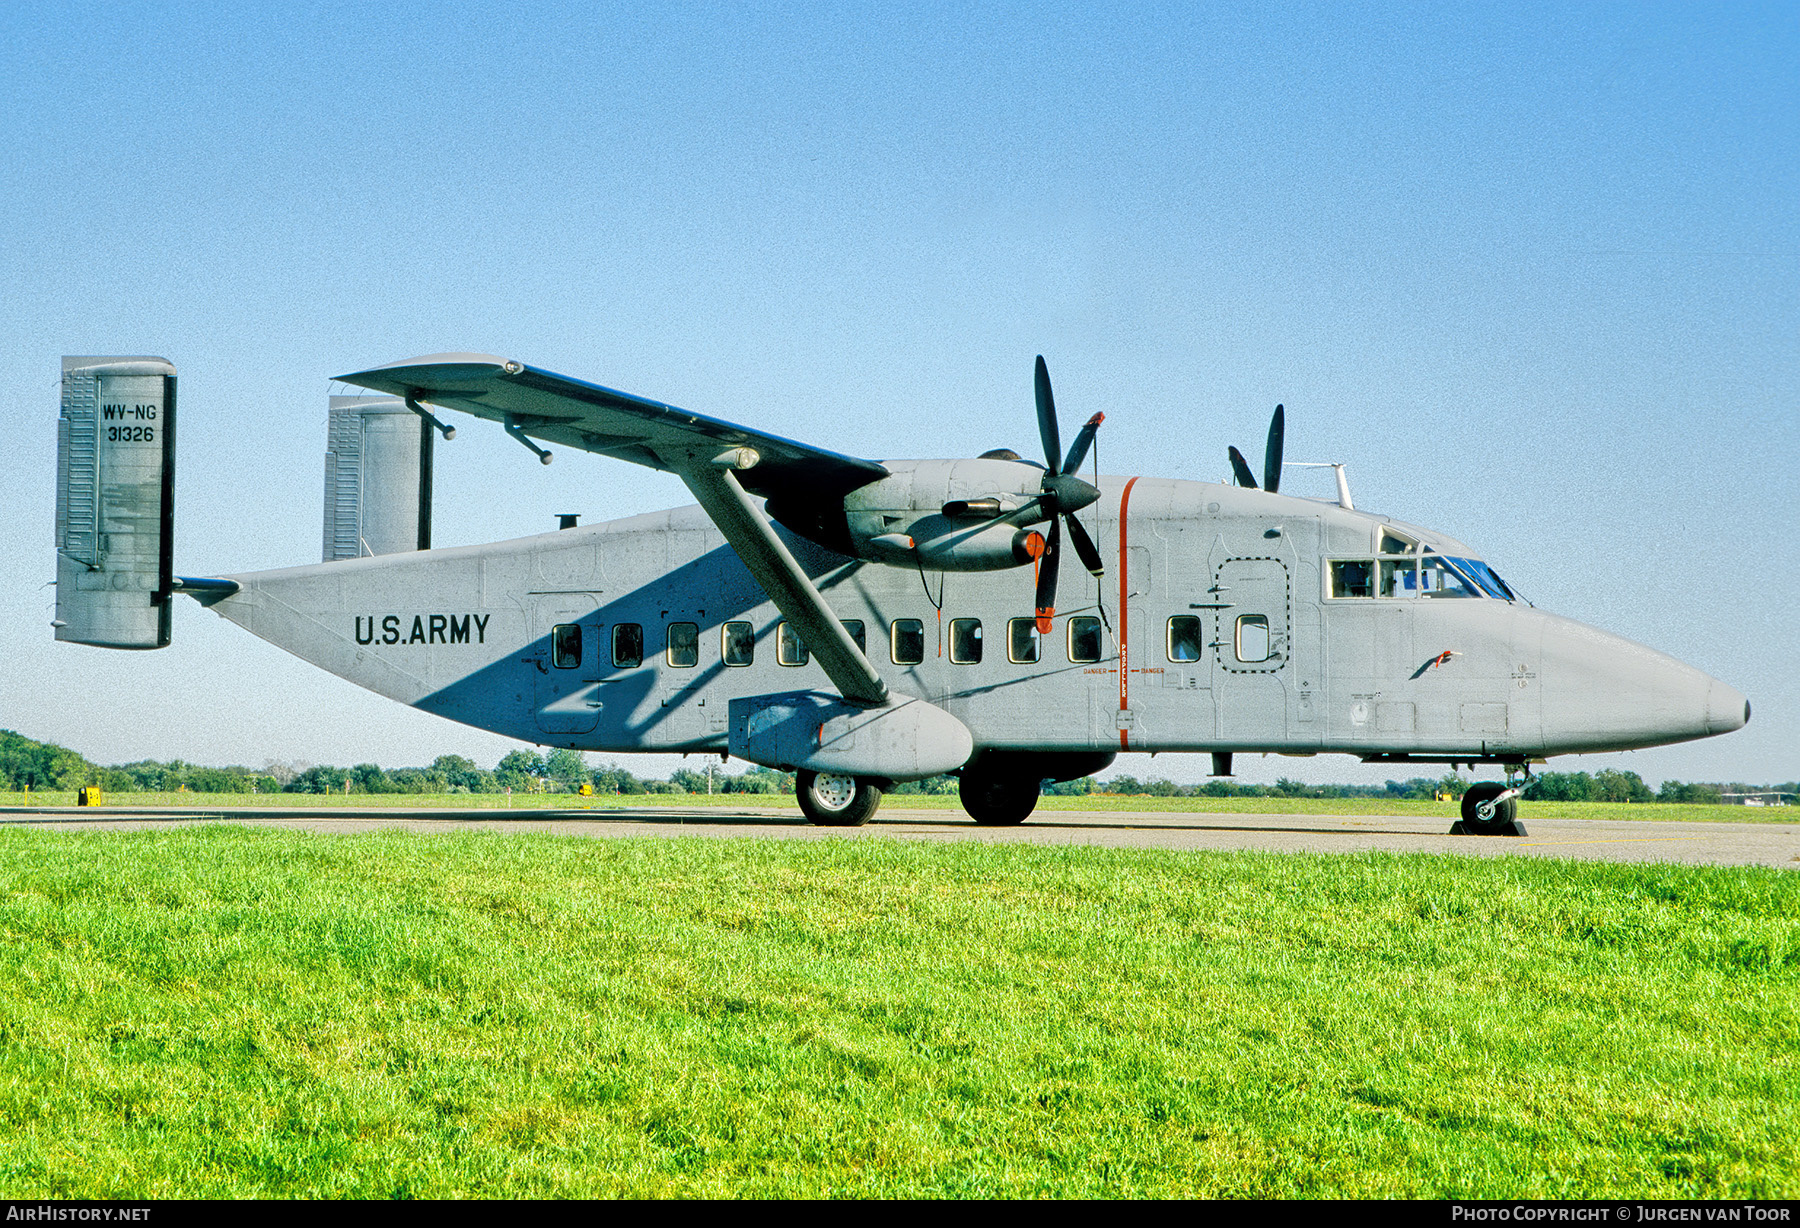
[[1063, 495]]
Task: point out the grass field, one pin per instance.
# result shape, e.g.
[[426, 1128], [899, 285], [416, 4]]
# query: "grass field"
[[223, 1012], [1651, 812]]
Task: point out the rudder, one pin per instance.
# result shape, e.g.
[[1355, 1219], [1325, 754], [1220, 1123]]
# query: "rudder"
[[115, 502]]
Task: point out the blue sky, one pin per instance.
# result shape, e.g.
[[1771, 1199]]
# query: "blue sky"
[[1534, 273]]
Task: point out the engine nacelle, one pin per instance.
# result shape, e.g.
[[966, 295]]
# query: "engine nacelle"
[[901, 519]]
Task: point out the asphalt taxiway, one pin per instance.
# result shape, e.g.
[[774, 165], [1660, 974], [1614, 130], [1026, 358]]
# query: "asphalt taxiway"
[[1764, 844]]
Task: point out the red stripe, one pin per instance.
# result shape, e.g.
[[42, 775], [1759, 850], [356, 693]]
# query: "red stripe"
[[1124, 619]]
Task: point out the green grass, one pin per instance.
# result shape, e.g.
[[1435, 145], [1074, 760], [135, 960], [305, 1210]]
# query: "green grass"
[[223, 1012], [1650, 812]]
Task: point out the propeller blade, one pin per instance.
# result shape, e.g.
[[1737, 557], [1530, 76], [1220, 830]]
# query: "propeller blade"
[[1084, 439], [1046, 582], [1046, 407], [1244, 476], [1272, 457], [1084, 547]]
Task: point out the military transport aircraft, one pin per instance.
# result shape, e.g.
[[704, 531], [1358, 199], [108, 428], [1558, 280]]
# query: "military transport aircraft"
[[864, 622]]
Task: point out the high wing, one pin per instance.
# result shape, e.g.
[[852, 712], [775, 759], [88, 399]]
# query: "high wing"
[[577, 414], [721, 463]]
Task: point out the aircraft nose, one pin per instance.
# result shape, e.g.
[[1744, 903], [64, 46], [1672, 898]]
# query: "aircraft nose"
[[1726, 708], [1603, 692]]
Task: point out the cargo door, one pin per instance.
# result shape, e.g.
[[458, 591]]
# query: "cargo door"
[[1251, 645]]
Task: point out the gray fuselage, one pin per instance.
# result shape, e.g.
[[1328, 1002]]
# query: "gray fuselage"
[[1225, 623]]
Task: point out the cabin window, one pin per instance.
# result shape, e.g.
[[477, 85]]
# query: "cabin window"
[[1022, 641], [1184, 638], [1253, 638], [908, 638], [1352, 578], [1084, 639], [855, 627], [684, 645], [965, 641], [565, 645], [737, 644], [788, 648], [628, 645]]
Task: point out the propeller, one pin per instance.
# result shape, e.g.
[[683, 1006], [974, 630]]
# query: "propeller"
[[1063, 494], [1271, 457]]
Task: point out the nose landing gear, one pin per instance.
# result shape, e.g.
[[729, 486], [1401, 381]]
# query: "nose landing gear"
[[1491, 809]]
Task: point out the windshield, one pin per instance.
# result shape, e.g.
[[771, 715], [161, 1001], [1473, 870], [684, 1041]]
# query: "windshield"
[[1483, 575], [1437, 578]]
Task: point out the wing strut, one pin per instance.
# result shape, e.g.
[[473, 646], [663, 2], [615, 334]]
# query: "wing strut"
[[774, 567]]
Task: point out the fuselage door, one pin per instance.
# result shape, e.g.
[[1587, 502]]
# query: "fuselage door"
[[1251, 644], [567, 654]]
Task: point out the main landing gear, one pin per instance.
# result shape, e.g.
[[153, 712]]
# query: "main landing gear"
[[992, 799], [999, 788], [1490, 808], [830, 800], [996, 799]]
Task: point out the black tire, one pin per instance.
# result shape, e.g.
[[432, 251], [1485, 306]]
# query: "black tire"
[[997, 801], [1504, 813], [831, 800]]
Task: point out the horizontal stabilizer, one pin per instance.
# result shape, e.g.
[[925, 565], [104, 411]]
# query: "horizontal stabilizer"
[[206, 590]]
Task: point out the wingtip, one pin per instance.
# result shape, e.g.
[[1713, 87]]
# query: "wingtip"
[[436, 360]]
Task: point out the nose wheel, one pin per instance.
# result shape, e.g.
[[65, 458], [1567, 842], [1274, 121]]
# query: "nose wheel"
[[1490, 809]]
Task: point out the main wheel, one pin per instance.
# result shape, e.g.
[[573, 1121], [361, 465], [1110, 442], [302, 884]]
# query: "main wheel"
[[1497, 823], [997, 801], [831, 800]]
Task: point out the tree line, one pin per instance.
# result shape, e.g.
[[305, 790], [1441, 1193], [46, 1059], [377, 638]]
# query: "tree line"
[[45, 765]]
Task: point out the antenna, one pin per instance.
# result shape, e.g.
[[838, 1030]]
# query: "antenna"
[[1343, 485]]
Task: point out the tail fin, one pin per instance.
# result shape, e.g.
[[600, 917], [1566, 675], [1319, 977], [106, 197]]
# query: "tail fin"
[[377, 478], [115, 502]]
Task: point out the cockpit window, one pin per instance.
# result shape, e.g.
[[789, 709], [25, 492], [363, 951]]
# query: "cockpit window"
[[1485, 576], [1426, 574], [1352, 578], [1393, 543], [1399, 577], [1438, 579]]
